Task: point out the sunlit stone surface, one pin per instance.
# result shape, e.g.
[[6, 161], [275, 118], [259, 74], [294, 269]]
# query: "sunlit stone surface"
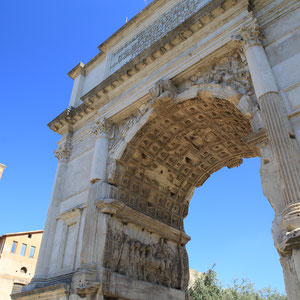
[[184, 89]]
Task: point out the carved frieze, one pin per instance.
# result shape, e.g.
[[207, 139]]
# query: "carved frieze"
[[230, 71], [155, 262]]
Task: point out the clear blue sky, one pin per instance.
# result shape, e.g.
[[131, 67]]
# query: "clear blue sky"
[[229, 219]]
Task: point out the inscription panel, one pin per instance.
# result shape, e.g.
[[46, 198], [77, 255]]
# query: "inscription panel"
[[143, 40]]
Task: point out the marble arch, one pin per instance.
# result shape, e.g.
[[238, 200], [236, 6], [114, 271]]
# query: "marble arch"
[[185, 88], [183, 142]]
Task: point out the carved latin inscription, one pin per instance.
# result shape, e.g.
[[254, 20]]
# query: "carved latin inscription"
[[167, 22]]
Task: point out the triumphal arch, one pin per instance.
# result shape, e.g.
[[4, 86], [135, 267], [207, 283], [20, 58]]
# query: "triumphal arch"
[[185, 88]]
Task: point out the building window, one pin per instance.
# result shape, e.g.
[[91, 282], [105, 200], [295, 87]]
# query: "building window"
[[29, 235], [32, 251], [23, 250], [14, 247], [23, 270]]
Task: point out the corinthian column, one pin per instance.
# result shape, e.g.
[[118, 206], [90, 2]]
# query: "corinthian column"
[[275, 121], [63, 154], [102, 130], [286, 226]]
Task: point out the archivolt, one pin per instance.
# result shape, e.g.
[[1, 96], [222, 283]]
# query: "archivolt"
[[181, 142]]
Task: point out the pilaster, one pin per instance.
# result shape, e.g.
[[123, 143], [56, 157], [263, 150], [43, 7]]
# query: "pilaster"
[[63, 154], [86, 275]]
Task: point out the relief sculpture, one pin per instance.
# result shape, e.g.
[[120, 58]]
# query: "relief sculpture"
[[157, 263]]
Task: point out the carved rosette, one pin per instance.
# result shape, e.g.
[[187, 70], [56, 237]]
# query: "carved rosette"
[[249, 35], [63, 152], [102, 128]]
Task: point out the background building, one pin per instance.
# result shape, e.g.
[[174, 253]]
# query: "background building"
[[18, 257], [2, 167], [194, 275]]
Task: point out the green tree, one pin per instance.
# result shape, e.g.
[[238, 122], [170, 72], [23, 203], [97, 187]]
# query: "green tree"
[[208, 287]]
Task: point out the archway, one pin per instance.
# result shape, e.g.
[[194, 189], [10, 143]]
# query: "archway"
[[176, 150], [128, 165], [229, 222], [180, 139]]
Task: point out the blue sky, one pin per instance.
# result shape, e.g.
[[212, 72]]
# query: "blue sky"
[[229, 218]]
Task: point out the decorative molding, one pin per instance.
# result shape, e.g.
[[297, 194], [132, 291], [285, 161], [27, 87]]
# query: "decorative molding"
[[77, 70], [103, 128], [71, 216], [127, 214], [84, 281], [234, 162], [231, 71], [162, 86], [168, 21], [63, 152], [259, 138], [87, 288], [249, 35], [98, 96]]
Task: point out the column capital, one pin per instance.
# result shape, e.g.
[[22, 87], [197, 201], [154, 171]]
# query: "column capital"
[[249, 35], [63, 152], [102, 128]]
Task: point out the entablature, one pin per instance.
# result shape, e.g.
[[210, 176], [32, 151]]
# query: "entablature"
[[100, 95]]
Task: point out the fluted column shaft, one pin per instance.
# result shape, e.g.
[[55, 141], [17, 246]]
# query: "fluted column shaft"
[[270, 102]]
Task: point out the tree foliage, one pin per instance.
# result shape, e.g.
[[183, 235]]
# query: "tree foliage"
[[208, 287]]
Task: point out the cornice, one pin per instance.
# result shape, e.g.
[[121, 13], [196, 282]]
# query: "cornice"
[[128, 214], [77, 70], [158, 49], [98, 96], [82, 68], [134, 21]]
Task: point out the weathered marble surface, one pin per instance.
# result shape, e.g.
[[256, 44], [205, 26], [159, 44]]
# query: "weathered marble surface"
[[136, 145], [169, 20]]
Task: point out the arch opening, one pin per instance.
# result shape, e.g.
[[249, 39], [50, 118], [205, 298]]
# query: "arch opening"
[[182, 143], [230, 224]]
